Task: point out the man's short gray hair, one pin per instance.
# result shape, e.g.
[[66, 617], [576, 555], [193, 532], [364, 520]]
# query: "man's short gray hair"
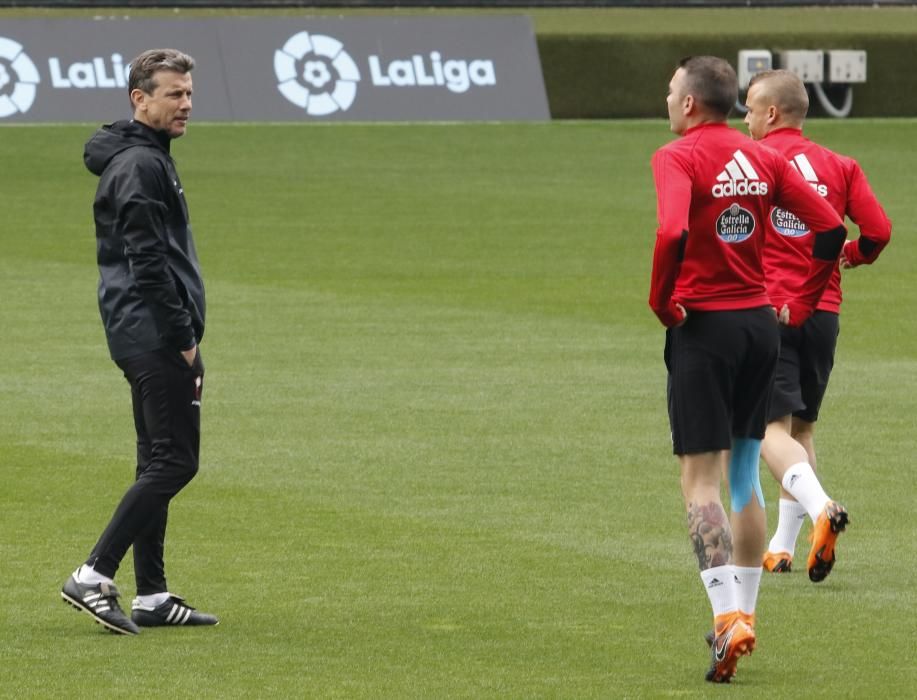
[[144, 67]]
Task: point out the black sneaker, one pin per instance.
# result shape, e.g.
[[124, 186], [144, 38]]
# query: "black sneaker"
[[100, 601], [173, 612]]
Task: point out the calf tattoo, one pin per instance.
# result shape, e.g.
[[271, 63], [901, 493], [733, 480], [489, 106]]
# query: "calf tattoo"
[[709, 530]]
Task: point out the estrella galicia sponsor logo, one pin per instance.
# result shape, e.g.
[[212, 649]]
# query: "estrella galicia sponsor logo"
[[19, 79], [315, 73], [786, 223], [735, 224]]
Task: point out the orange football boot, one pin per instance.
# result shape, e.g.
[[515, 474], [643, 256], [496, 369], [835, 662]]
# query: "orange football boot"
[[832, 522], [747, 618], [733, 639], [778, 562]]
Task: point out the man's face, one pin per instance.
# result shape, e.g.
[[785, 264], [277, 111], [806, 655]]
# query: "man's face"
[[169, 107], [675, 101], [756, 118]]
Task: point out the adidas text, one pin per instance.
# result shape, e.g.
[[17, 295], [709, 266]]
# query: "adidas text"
[[734, 188], [821, 189]]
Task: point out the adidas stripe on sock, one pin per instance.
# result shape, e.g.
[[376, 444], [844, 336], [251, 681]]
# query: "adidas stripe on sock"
[[719, 582], [800, 481]]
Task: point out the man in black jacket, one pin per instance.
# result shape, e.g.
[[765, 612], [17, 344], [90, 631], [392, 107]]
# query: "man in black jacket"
[[151, 297]]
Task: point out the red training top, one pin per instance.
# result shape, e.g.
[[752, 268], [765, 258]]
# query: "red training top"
[[842, 183], [715, 188]]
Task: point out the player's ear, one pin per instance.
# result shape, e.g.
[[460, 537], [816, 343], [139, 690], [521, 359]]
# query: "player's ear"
[[688, 104], [772, 114]]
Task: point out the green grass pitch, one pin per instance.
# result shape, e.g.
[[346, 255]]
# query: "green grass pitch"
[[435, 455]]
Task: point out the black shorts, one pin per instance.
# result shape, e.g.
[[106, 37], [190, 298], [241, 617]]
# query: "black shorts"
[[806, 360], [721, 371]]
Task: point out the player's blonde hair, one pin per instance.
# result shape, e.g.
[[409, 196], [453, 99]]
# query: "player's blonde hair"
[[784, 90]]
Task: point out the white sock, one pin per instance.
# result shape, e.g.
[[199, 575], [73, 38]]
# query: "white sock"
[[153, 600], [800, 481], [89, 576], [789, 523], [748, 579], [719, 582]]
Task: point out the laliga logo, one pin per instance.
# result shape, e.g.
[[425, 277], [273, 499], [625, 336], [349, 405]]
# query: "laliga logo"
[[315, 73], [18, 78]]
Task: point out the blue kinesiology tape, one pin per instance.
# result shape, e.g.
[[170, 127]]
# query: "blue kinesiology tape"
[[744, 474]]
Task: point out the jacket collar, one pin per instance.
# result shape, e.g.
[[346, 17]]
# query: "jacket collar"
[[159, 136]]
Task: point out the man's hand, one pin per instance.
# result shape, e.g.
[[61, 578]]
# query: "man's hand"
[[794, 314], [673, 315], [850, 255], [189, 355], [784, 315], [684, 314]]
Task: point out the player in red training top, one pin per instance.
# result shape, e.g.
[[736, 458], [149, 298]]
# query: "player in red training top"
[[777, 104], [715, 188]]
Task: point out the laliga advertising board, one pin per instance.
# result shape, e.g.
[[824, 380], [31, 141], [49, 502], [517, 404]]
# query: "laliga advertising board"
[[281, 69]]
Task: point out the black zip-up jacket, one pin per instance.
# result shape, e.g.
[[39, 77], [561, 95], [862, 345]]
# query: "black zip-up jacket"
[[151, 294]]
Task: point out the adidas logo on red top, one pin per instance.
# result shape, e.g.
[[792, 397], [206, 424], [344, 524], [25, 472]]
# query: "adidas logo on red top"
[[802, 164], [786, 223], [738, 178]]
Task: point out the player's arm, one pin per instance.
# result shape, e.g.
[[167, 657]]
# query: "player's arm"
[[673, 204], [796, 195], [865, 211], [142, 215]]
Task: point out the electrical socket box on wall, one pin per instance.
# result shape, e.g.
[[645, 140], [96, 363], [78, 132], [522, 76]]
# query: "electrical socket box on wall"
[[846, 66], [808, 65], [752, 61]]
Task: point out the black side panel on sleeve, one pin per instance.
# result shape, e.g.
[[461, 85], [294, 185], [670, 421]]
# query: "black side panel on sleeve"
[[828, 244]]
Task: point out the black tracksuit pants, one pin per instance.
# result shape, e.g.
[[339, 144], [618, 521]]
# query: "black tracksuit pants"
[[166, 395]]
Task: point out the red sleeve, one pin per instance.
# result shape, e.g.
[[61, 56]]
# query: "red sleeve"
[[865, 211], [795, 194], [673, 206]]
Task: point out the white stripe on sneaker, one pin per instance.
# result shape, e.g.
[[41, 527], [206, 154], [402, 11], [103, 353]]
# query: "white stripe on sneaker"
[[171, 615]]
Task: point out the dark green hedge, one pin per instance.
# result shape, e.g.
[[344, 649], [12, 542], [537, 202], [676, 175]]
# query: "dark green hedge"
[[627, 76]]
